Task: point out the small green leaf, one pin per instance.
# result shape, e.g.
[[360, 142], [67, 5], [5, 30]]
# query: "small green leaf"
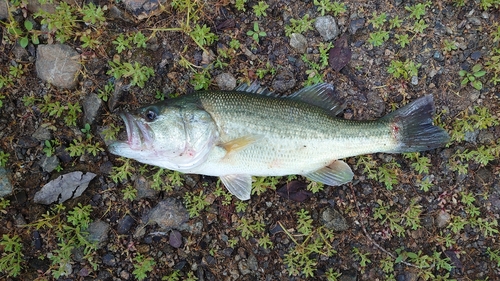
[[479, 73], [34, 39], [24, 42], [477, 84], [462, 73], [476, 68], [28, 25], [465, 81]]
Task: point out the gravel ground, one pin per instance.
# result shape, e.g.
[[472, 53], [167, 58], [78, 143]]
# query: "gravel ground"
[[73, 211]]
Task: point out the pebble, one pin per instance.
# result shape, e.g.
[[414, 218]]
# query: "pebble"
[[226, 81], [98, 232], [42, 133], [442, 219], [333, 219], [175, 239], [125, 224], [169, 214], [144, 189], [142, 9], [49, 164], [327, 27], [476, 55], [298, 42], [356, 24], [91, 105], [438, 56], [284, 81], [5, 185], [414, 80], [58, 65]]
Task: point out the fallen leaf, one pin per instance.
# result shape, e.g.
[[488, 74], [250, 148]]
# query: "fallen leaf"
[[295, 191], [340, 55]]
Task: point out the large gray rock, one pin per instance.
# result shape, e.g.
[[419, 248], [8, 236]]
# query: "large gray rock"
[[58, 65]]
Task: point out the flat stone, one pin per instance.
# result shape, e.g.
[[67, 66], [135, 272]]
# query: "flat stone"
[[58, 65], [67, 186], [356, 24]]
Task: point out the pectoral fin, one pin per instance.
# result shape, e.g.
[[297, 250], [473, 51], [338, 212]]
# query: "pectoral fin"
[[336, 173], [238, 185], [238, 144]]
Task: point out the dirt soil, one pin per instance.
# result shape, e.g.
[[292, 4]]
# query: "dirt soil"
[[212, 246]]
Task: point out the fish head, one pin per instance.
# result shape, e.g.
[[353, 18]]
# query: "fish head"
[[172, 137]]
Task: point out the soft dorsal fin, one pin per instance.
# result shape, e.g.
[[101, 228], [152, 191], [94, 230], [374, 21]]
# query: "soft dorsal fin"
[[337, 173], [321, 95], [254, 88], [238, 185]]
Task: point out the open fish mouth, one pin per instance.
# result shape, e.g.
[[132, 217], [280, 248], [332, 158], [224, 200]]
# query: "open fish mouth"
[[139, 135]]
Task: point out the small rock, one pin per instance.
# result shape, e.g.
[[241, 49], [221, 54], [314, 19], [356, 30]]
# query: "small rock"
[[333, 219], [226, 81], [407, 276], [349, 275], [144, 189], [120, 89], [109, 260], [243, 267], [284, 81], [476, 55], [442, 219], [42, 133], [356, 24], [327, 27], [414, 80], [144, 8], [125, 224], [98, 232], [67, 186], [5, 185], [4, 10], [168, 214], [438, 56], [252, 263], [298, 42], [20, 53], [58, 64], [439, 28], [91, 105], [175, 239], [49, 164]]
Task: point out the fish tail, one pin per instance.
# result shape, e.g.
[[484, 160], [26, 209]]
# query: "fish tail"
[[412, 127]]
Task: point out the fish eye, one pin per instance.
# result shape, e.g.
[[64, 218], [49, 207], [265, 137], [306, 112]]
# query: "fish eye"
[[150, 115]]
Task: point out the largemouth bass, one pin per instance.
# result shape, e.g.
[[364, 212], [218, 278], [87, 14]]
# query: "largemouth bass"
[[251, 132]]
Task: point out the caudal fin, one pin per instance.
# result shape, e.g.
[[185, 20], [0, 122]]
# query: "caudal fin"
[[412, 126]]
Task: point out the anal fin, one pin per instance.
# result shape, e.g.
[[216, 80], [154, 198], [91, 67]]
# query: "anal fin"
[[337, 173], [238, 185]]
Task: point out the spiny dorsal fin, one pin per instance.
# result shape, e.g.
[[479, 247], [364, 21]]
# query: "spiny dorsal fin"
[[254, 88], [321, 95]]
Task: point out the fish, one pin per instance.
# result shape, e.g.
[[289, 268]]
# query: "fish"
[[250, 131]]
